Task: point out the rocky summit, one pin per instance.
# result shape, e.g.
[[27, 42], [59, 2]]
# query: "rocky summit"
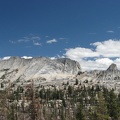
[[39, 69], [109, 78]]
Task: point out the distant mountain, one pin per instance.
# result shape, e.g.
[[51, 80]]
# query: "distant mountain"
[[44, 71], [38, 69], [110, 78], [112, 73]]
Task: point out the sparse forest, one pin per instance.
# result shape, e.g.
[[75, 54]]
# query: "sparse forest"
[[69, 102]]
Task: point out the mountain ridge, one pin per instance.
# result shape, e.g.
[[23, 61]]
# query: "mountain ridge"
[[37, 69], [44, 71]]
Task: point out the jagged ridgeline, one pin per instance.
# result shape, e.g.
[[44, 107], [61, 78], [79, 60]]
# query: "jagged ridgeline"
[[44, 71], [39, 69]]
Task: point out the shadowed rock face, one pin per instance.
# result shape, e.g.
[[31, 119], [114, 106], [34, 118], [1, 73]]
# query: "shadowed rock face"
[[111, 74], [68, 64], [22, 68], [112, 67]]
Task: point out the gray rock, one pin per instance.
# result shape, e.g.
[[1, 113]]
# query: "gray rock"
[[109, 78], [36, 68], [112, 67]]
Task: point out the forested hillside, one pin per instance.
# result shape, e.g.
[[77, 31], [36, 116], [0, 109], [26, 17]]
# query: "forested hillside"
[[70, 102]]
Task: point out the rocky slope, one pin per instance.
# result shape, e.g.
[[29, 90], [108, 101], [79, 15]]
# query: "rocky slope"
[[110, 78], [44, 71], [39, 69]]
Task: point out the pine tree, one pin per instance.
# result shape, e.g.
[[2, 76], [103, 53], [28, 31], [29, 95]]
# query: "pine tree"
[[101, 108], [70, 90], [80, 115], [76, 82], [113, 108]]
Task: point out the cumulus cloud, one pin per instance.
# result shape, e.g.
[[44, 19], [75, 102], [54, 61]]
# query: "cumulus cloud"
[[80, 52], [95, 64], [109, 48], [51, 41], [100, 57]]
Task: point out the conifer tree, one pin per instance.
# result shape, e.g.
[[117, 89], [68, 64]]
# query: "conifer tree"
[[101, 111], [80, 115], [113, 108]]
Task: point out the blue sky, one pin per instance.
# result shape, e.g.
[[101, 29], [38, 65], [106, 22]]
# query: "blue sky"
[[56, 27]]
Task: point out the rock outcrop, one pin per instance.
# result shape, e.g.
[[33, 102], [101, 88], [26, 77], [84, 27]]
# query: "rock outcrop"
[[112, 68], [111, 74], [109, 78], [37, 69]]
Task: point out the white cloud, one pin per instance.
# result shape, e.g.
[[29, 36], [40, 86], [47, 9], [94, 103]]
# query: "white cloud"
[[104, 61], [29, 38], [109, 48], [6, 58], [35, 38], [52, 58], [103, 54], [27, 57], [51, 41], [110, 31], [36, 43], [93, 65], [117, 60], [80, 52], [25, 39]]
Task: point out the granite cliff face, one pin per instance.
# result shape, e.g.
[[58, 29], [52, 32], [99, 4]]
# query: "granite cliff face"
[[37, 69], [111, 74], [109, 78], [112, 68]]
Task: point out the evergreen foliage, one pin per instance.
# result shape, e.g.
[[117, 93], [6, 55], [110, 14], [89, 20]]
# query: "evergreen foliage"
[[76, 102]]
